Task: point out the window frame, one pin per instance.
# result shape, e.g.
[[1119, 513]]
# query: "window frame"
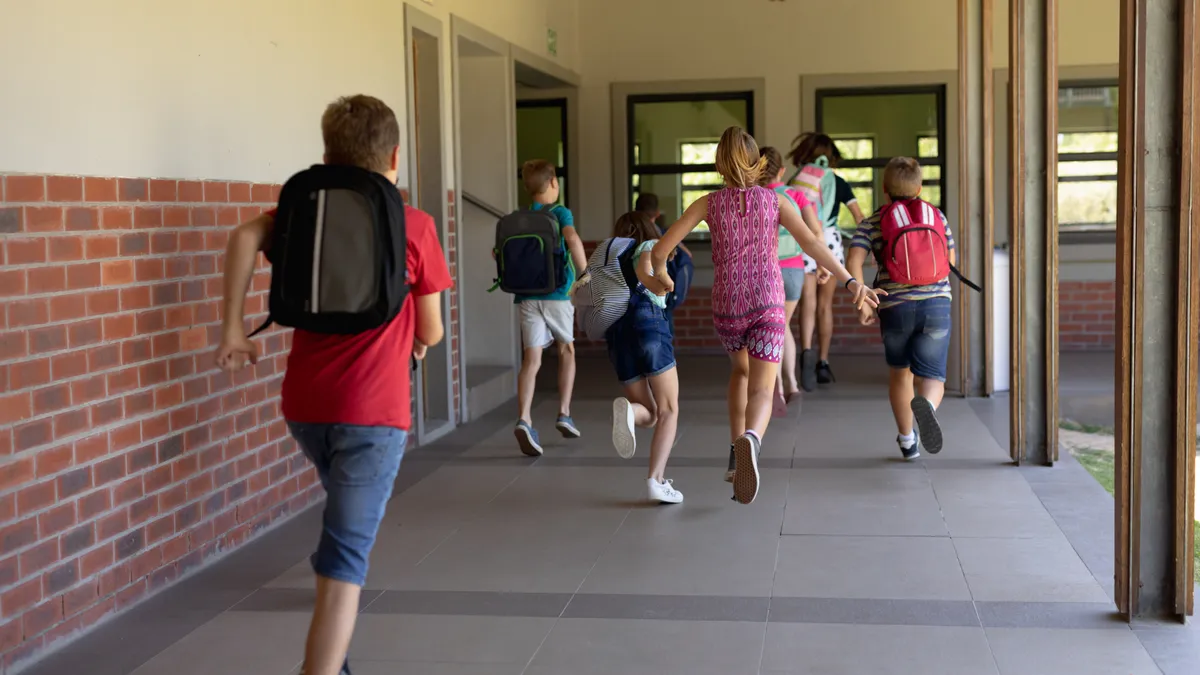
[[560, 172], [632, 168], [1093, 228]]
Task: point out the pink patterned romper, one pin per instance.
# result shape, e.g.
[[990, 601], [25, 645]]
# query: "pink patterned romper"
[[747, 294]]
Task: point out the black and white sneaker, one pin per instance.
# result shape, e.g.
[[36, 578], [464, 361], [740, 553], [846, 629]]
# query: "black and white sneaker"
[[825, 373], [745, 478], [732, 465], [926, 426], [913, 449]]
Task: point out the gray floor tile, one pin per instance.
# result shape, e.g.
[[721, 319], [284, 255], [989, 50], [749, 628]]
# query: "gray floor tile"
[[291, 600], [1027, 570], [362, 667], [1175, 649], [449, 639], [1041, 651], [924, 568], [466, 603], [879, 501], [874, 612], [236, 642], [667, 607], [605, 647], [1048, 615], [999, 521], [877, 650]]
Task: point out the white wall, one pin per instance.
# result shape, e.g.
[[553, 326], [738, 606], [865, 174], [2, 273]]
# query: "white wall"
[[229, 89]]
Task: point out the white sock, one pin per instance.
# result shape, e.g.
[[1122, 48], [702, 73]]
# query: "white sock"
[[908, 441]]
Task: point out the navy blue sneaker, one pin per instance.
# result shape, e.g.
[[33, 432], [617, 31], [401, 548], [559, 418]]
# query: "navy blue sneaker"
[[926, 425], [566, 427], [527, 438]]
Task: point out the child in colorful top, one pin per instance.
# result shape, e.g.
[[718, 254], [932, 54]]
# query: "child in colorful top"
[[914, 320], [816, 308], [747, 295], [792, 262], [639, 346]]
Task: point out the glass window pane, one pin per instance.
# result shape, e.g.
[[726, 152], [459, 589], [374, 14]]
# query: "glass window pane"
[[1089, 141], [932, 194], [660, 127], [1087, 203], [927, 146], [931, 172], [690, 196], [894, 120], [1100, 168], [708, 178], [855, 175], [866, 202], [698, 153], [856, 148]]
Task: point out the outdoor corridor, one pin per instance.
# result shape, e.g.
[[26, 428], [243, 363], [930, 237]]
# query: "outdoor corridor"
[[850, 561]]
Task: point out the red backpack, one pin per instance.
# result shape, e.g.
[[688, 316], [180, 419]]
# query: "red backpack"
[[915, 250]]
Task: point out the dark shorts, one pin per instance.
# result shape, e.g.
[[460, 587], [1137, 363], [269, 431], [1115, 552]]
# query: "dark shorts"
[[916, 336], [357, 466], [639, 344]]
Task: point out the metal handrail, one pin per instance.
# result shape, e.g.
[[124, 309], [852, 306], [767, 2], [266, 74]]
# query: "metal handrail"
[[479, 203]]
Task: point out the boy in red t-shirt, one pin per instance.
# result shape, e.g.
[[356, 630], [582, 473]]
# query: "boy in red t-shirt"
[[346, 397]]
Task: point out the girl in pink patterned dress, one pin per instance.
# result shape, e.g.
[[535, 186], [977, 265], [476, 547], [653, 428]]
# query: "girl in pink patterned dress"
[[747, 294]]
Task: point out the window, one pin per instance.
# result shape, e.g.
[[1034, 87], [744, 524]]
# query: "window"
[[673, 145], [1087, 157], [542, 134], [870, 126]]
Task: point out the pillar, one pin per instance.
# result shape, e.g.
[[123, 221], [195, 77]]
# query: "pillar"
[[1158, 314], [1033, 162]]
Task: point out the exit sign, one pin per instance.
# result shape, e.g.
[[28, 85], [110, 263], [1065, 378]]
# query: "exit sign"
[[552, 41]]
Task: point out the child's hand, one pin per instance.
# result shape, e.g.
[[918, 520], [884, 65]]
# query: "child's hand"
[[866, 316], [582, 281], [865, 297], [235, 351], [823, 276], [664, 279], [420, 349]]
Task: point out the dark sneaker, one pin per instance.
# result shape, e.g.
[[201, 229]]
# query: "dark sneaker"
[[926, 426], [527, 438], [825, 373], [912, 451], [732, 465], [566, 427], [808, 370], [745, 479]]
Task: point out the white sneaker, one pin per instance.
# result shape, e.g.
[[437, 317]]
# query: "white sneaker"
[[664, 492], [622, 436]]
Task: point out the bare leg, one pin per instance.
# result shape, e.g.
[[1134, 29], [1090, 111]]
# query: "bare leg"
[[758, 402], [566, 377], [641, 399], [932, 390], [331, 628], [808, 310], [739, 379], [666, 398], [900, 392], [788, 371], [825, 317], [531, 363]]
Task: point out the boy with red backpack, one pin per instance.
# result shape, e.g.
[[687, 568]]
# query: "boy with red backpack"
[[914, 250]]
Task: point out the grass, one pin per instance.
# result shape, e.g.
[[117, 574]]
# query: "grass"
[[1102, 467], [1072, 425]]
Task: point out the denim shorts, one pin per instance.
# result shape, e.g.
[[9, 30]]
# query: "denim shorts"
[[793, 283], [357, 466], [639, 344], [916, 335]]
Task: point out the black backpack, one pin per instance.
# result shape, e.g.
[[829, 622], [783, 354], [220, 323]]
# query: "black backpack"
[[338, 252], [531, 258]]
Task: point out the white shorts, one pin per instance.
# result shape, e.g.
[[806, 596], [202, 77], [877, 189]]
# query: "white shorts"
[[544, 322], [833, 239]]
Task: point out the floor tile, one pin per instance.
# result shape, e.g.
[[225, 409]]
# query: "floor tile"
[[880, 501], [877, 650], [1029, 570], [451, 639], [1042, 651], [236, 642], [605, 647], [467, 603], [362, 667], [1048, 615], [667, 607], [924, 568], [874, 611]]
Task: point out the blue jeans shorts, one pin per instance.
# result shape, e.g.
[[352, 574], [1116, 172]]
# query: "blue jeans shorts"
[[639, 344], [793, 283], [916, 336], [357, 466]]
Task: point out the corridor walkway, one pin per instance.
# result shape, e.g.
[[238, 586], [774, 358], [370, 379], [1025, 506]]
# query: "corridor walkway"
[[850, 561]]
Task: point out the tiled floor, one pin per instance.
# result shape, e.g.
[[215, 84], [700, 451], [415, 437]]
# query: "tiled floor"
[[850, 562]]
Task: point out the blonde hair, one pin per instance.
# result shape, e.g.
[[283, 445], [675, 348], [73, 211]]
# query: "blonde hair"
[[360, 131], [738, 159], [773, 167], [537, 174], [902, 178]]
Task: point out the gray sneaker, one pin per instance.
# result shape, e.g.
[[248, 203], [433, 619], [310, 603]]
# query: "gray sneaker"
[[732, 465], [926, 426]]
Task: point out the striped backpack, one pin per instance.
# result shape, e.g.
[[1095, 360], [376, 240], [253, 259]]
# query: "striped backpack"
[[606, 297], [818, 184], [788, 246]]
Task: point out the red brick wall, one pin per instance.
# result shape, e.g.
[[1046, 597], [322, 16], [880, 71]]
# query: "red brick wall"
[[1087, 315], [452, 332], [126, 460]]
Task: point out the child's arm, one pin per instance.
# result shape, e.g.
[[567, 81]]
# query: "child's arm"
[[814, 223], [674, 237], [241, 255], [645, 274], [856, 211], [816, 248], [429, 330], [855, 259], [575, 247]]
